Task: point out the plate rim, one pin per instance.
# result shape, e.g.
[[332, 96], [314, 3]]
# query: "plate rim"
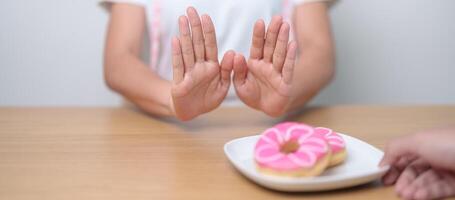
[[305, 180]]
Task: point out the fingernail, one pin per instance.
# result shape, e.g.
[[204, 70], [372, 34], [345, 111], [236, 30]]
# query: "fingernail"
[[182, 18]]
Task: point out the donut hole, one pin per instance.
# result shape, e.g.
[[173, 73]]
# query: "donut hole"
[[290, 146]]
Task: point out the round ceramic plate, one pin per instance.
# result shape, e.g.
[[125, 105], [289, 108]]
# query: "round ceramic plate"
[[360, 167]]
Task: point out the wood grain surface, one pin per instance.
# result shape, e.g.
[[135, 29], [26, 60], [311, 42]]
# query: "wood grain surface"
[[122, 153]]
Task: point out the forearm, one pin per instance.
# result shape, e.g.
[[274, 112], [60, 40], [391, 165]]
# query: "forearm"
[[314, 70], [123, 69], [128, 75], [315, 65]]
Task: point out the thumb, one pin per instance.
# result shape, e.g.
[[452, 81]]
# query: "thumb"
[[240, 69], [226, 66]]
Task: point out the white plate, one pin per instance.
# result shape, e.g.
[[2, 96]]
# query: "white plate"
[[360, 166]]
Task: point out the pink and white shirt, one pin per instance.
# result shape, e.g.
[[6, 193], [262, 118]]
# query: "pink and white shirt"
[[233, 20]]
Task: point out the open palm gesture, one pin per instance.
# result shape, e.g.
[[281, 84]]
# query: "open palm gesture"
[[264, 81], [200, 83]]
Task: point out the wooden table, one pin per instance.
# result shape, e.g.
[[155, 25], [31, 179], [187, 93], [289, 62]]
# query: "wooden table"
[[121, 153]]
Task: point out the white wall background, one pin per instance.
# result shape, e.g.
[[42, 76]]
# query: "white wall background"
[[389, 52]]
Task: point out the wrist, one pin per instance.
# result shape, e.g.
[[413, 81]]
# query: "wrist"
[[277, 109], [170, 107], [178, 112]]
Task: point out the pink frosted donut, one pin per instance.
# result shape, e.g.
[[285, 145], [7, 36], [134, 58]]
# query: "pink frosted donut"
[[336, 144], [291, 149]]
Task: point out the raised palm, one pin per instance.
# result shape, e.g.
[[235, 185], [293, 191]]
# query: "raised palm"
[[200, 83], [264, 81]]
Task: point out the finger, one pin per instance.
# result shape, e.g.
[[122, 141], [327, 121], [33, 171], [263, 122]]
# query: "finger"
[[427, 177], [392, 175], [211, 49], [177, 61], [257, 43], [271, 36], [439, 189], [240, 69], [186, 43], [279, 55], [198, 36], [226, 67], [407, 192], [289, 63], [406, 178], [421, 170], [398, 148]]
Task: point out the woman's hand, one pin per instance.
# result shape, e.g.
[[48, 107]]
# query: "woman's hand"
[[200, 83], [264, 81], [422, 165]]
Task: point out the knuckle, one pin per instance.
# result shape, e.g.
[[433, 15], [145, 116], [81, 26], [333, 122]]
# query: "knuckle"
[[198, 40], [209, 31], [175, 61], [273, 31], [199, 46], [210, 44], [283, 39], [258, 42], [185, 34], [258, 35], [279, 53], [187, 50], [196, 23], [269, 43]]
